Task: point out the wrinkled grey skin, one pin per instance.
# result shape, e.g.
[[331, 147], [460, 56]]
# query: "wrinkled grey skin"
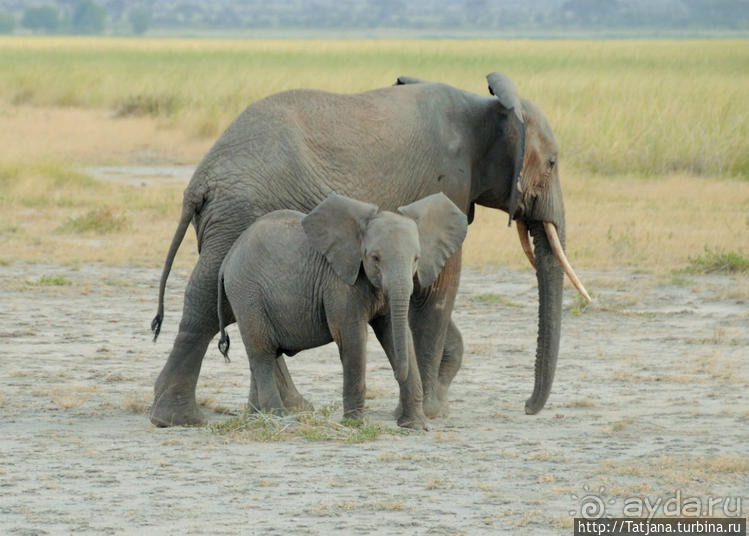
[[297, 282], [390, 147]]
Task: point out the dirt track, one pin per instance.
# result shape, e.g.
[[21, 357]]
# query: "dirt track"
[[649, 399]]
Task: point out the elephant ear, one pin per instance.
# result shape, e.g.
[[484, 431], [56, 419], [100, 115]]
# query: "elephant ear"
[[334, 229], [442, 229], [502, 87]]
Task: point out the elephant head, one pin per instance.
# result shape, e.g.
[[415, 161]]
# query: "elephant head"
[[391, 248], [522, 178]]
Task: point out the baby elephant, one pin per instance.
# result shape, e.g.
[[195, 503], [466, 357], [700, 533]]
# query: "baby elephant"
[[295, 282]]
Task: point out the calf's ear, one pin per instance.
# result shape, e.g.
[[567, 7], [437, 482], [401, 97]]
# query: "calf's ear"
[[442, 229], [334, 229]]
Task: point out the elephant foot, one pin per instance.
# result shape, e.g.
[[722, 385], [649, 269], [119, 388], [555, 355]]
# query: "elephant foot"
[[269, 408], [174, 401], [297, 404], [353, 414], [436, 405], [398, 411], [416, 422], [292, 400], [174, 408], [285, 401]]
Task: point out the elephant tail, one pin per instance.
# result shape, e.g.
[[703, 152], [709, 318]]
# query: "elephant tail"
[[188, 211], [224, 342]]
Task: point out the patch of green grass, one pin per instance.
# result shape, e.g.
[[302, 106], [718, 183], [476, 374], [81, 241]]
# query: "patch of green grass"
[[64, 175], [46, 184], [718, 261], [361, 431], [9, 228], [51, 281], [579, 305], [261, 427], [58, 173], [309, 426], [101, 221], [153, 105], [679, 280], [623, 244], [495, 299], [118, 282], [9, 172], [327, 410]]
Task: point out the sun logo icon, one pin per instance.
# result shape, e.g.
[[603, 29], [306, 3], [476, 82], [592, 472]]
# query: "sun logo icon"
[[592, 506]]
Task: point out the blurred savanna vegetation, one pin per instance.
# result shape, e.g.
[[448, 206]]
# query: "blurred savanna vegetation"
[[654, 135]]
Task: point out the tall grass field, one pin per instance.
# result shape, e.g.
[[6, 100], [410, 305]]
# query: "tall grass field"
[[654, 135]]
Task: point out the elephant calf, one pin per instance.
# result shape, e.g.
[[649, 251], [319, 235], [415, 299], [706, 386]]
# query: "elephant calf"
[[295, 282]]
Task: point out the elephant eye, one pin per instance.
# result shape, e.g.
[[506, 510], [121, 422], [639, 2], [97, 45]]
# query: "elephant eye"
[[376, 258], [552, 161]]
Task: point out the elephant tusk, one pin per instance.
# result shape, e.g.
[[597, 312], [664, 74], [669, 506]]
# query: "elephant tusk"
[[556, 246], [525, 242]]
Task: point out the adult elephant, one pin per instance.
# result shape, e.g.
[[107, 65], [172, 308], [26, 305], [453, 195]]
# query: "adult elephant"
[[390, 146]]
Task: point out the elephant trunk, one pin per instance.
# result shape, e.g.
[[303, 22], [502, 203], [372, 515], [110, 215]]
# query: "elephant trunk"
[[399, 298], [550, 278]]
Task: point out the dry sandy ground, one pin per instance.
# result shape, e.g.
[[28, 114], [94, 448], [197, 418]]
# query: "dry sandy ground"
[[649, 399]]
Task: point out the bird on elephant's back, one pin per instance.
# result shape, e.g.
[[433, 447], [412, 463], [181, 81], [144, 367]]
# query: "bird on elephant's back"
[[391, 147]]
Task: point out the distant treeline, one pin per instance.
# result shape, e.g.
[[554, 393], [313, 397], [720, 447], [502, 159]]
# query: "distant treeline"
[[141, 16]]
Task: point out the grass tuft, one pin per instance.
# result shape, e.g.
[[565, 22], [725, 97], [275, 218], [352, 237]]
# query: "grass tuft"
[[153, 105], [71, 396], [62, 175], [9, 172], [678, 280], [101, 221], [718, 261], [579, 305], [51, 281], [137, 403], [309, 426], [582, 403], [9, 228]]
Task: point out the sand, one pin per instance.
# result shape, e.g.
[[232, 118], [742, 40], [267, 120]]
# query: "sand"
[[649, 400]]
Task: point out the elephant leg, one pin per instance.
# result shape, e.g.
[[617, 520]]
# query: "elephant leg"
[[410, 410], [289, 394], [452, 358], [352, 347], [262, 365], [253, 403], [174, 391], [430, 320]]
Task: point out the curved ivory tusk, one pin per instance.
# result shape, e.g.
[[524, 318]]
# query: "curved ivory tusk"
[[556, 246], [525, 242]]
